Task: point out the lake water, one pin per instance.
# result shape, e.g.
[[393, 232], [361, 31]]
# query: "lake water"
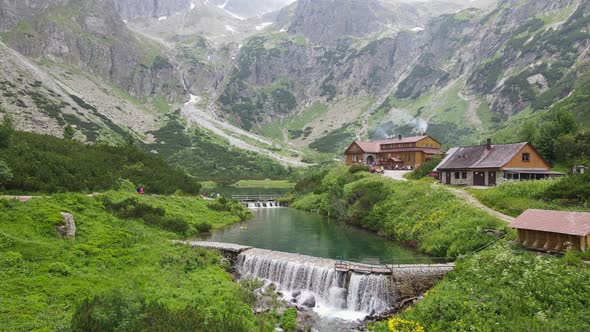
[[294, 231]]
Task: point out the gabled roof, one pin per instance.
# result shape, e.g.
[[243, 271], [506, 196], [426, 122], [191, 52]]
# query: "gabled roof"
[[375, 146], [562, 222], [480, 157]]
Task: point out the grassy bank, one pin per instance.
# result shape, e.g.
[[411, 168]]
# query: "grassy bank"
[[118, 273], [512, 198], [507, 289], [414, 212]]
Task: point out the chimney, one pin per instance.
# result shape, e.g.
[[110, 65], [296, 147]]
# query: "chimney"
[[489, 144], [399, 137]]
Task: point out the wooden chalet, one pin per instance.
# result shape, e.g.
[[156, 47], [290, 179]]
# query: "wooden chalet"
[[553, 230], [400, 152], [484, 165]]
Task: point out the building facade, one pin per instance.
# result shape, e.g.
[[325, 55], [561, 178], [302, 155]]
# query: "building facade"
[[486, 165], [393, 153], [554, 231]]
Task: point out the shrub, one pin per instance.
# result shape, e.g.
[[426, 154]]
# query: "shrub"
[[5, 172], [575, 188], [358, 168], [289, 320], [59, 268], [132, 208], [424, 169], [203, 227]]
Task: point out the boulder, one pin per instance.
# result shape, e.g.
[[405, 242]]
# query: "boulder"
[[309, 302], [68, 229]]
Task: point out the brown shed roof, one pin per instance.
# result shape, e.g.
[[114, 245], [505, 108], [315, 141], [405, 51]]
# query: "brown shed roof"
[[563, 222], [473, 157]]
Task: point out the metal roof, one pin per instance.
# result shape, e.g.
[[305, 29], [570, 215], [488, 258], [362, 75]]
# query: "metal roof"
[[479, 156], [562, 222], [532, 171]]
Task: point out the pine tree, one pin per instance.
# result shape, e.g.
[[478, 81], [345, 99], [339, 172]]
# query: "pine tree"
[[6, 131], [69, 132]]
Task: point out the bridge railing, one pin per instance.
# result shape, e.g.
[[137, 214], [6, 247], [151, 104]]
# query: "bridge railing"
[[342, 264], [251, 198]]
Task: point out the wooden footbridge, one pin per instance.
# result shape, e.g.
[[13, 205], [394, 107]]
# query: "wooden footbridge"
[[255, 198]]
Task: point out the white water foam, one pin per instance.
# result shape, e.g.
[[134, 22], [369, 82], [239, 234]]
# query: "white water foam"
[[308, 276]]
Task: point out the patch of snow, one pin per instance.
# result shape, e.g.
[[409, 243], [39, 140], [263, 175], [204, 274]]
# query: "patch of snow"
[[193, 6], [263, 25], [230, 28], [283, 30], [417, 29], [161, 18], [125, 21]]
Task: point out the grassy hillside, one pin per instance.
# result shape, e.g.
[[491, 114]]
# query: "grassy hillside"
[[117, 274], [570, 193], [507, 289], [418, 212]]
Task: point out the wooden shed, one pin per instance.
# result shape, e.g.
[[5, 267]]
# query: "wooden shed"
[[553, 230]]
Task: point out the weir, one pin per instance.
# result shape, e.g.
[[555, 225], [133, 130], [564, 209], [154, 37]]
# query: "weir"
[[258, 201], [326, 286]]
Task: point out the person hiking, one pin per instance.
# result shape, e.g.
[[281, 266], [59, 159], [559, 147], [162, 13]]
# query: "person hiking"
[[141, 190], [138, 189]]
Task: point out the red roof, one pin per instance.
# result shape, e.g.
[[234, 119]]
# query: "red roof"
[[562, 222], [375, 146]]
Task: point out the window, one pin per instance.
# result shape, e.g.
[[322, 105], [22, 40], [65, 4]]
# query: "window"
[[526, 157], [463, 175], [456, 175]]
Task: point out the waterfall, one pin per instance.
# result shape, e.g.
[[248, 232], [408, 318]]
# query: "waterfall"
[[300, 277], [263, 205]]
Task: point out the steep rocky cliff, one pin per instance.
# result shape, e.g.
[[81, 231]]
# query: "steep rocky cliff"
[[132, 9], [459, 76], [91, 36]]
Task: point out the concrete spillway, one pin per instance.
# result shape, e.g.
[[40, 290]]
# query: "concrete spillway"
[[335, 288]]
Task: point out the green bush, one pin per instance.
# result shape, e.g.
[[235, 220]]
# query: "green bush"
[[358, 168], [132, 208], [514, 197], [203, 227], [575, 189], [424, 169], [289, 320]]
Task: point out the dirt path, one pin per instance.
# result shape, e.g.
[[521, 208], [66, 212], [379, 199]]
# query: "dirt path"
[[28, 198], [396, 175], [473, 201]]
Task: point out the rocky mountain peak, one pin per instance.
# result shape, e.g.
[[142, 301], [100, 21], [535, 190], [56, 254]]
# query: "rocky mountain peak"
[[132, 9], [329, 20]]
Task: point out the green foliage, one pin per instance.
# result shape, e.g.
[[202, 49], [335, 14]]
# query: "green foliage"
[[334, 141], [43, 163], [209, 157], [5, 172], [6, 131], [224, 204], [132, 208], [118, 274], [573, 190], [505, 289], [514, 197], [289, 320], [416, 212], [424, 169], [69, 132], [358, 168]]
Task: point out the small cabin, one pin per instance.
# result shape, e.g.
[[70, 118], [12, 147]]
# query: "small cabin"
[[553, 231]]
